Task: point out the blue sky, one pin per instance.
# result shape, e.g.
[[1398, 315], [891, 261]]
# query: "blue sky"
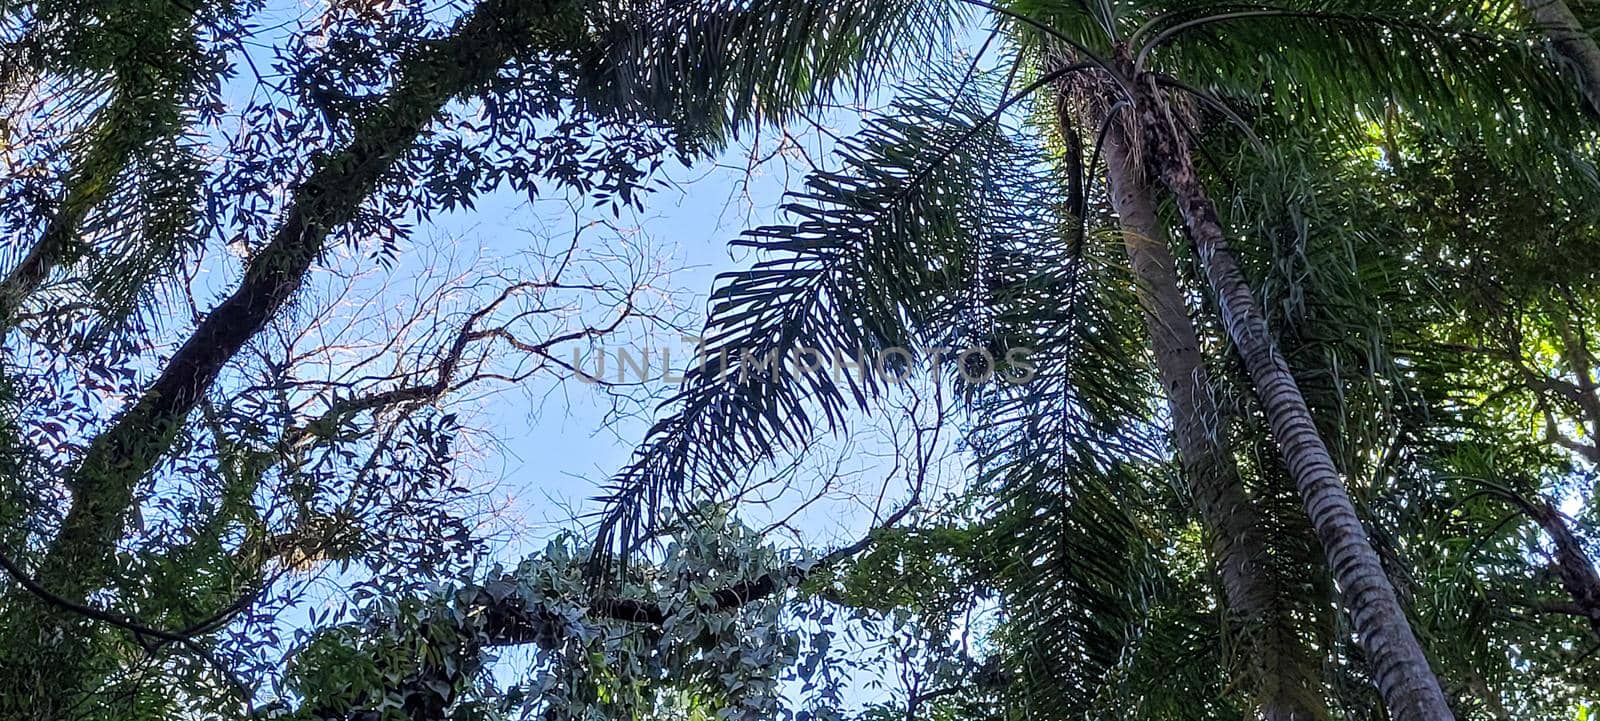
[[556, 440], [547, 444], [542, 448]]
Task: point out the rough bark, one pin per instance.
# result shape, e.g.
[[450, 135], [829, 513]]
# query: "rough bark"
[[1578, 575], [1398, 665], [1284, 678], [79, 560], [1571, 42]]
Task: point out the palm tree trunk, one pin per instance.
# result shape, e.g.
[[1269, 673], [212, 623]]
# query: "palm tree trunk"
[[1572, 43], [1398, 664], [1285, 682]]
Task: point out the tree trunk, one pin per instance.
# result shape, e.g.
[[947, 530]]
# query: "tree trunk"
[[1572, 43], [88, 185], [1285, 681], [1398, 664], [24, 279], [1578, 575], [79, 561]]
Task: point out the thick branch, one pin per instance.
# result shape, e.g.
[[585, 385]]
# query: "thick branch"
[[510, 625], [126, 452], [80, 558], [1578, 575]]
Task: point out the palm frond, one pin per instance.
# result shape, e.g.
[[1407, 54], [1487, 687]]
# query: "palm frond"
[[886, 253], [144, 212], [711, 69], [130, 203], [1464, 70], [1073, 464], [1347, 64]]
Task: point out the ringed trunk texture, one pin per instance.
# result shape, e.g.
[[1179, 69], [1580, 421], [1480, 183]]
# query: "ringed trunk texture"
[[1572, 43], [1285, 680], [1408, 685]]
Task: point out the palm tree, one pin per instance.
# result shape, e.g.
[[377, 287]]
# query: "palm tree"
[[1572, 41], [1399, 665], [1069, 547], [1282, 666], [621, 69], [1389, 271], [942, 229], [1513, 332], [1310, 71]]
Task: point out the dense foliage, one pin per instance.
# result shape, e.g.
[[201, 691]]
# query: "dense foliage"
[[1237, 361]]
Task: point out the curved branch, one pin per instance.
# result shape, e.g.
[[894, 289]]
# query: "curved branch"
[[1266, 12], [1214, 103], [139, 630], [1068, 40], [120, 457]]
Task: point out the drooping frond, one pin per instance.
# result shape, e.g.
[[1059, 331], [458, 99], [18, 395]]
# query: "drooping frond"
[[1074, 465], [1357, 61], [714, 68], [982, 251], [888, 254], [134, 205], [873, 262], [1469, 71]]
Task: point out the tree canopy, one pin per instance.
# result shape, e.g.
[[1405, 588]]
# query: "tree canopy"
[[1102, 359]]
